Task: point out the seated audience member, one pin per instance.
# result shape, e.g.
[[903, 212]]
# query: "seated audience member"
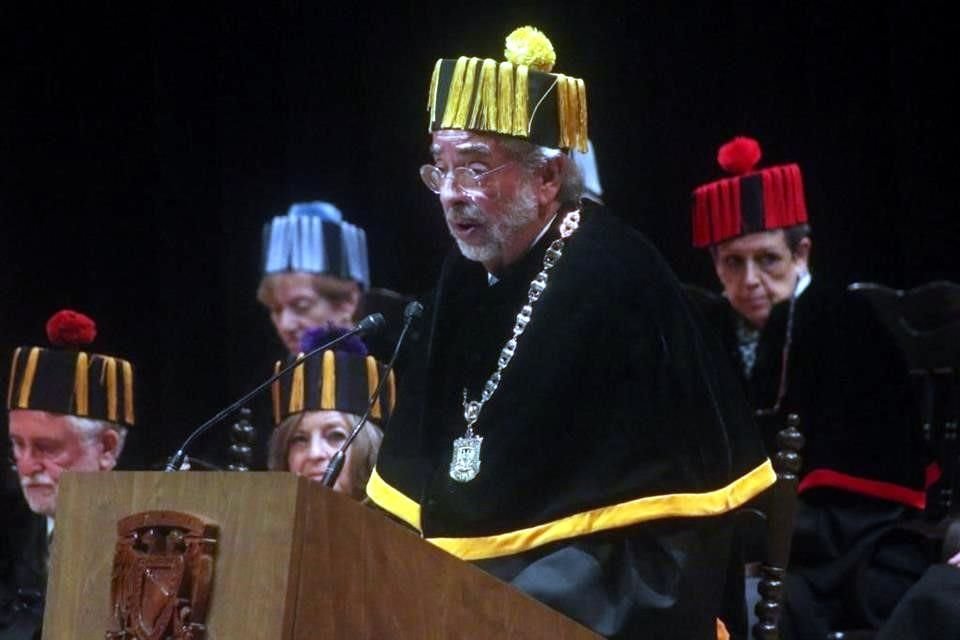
[[803, 346], [68, 410], [315, 270], [318, 404]]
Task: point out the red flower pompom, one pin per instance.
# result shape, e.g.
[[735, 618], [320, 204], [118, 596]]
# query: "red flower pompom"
[[739, 156], [68, 328]]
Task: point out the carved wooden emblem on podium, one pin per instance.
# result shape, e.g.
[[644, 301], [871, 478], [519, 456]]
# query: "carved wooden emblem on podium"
[[162, 573]]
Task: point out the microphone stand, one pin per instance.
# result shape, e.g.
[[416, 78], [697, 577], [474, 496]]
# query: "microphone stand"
[[373, 322], [332, 472]]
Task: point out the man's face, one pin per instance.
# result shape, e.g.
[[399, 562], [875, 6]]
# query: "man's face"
[[296, 306], [497, 226], [47, 444], [758, 271]]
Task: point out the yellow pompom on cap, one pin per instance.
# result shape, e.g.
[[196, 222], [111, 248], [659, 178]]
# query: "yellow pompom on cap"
[[529, 46]]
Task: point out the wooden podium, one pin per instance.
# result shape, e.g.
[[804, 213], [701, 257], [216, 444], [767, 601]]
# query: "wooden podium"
[[292, 560]]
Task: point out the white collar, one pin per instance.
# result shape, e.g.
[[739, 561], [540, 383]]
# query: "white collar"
[[802, 283]]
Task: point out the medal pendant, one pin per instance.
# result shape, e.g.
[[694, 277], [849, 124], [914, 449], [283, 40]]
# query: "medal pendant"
[[465, 463]]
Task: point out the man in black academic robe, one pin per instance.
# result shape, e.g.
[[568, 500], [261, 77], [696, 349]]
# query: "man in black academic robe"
[[23, 566], [68, 410], [611, 452]]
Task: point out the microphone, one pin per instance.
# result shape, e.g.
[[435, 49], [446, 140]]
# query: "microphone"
[[373, 323], [411, 312]]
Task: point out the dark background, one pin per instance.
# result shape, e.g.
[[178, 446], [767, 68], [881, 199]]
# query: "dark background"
[[143, 147]]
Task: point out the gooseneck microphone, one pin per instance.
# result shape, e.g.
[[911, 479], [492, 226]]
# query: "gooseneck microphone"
[[369, 325], [411, 312]]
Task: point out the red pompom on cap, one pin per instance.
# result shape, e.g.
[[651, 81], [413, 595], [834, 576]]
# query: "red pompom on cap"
[[739, 156], [68, 328]]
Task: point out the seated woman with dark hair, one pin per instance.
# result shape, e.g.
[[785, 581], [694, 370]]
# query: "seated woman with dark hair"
[[317, 405]]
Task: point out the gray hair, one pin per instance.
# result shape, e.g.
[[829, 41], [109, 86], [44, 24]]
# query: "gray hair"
[[534, 157], [90, 429]]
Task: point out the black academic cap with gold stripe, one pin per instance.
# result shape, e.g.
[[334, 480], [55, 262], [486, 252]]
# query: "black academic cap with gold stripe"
[[518, 97], [335, 380], [69, 380]]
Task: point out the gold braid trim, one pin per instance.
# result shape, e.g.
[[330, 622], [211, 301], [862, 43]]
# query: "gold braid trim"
[[296, 389], [484, 114], [582, 92], [505, 98], [275, 392], [328, 385], [23, 401], [373, 379], [486, 95], [432, 95], [81, 385], [110, 368], [13, 374], [128, 415], [573, 112], [520, 99], [466, 95], [453, 94], [563, 110]]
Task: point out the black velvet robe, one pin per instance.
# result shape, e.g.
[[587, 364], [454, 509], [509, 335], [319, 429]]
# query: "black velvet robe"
[[612, 449], [848, 383], [930, 610], [864, 466], [23, 568]]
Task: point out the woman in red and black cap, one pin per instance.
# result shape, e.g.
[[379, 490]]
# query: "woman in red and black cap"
[[805, 347]]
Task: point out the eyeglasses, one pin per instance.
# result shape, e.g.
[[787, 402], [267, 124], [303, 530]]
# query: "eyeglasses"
[[465, 179]]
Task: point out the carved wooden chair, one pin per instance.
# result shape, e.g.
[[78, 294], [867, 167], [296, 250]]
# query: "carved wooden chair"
[[779, 519], [243, 436]]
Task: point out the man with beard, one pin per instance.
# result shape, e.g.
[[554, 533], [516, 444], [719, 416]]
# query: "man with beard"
[[560, 422], [804, 347], [68, 410]]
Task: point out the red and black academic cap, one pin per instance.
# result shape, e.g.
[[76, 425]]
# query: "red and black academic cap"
[[750, 201]]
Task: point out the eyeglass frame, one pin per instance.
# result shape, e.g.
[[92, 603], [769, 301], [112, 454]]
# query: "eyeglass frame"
[[433, 169]]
